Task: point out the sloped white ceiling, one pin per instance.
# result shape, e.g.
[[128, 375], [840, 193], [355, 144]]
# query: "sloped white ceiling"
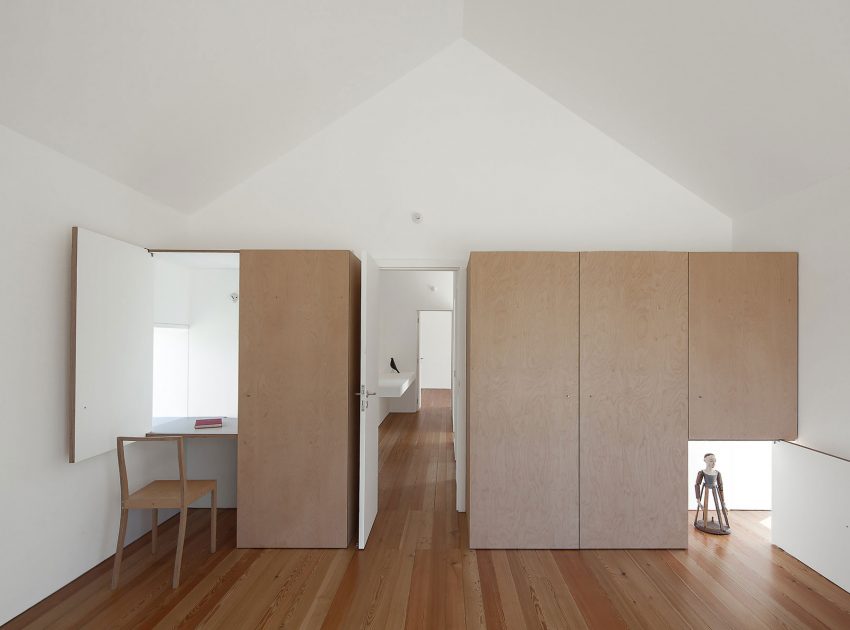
[[183, 99], [741, 102], [489, 160]]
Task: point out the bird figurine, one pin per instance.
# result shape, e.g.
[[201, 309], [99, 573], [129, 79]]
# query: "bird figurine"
[[393, 366]]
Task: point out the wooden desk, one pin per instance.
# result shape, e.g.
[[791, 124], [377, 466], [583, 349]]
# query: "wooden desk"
[[185, 427]]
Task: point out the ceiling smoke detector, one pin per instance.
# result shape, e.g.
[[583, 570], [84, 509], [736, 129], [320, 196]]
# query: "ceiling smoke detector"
[[416, 217]]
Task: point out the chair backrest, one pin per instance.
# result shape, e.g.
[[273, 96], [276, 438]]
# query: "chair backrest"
[[122, 464]]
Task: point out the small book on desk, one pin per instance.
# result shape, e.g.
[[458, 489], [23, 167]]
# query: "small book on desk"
[[208, 423]]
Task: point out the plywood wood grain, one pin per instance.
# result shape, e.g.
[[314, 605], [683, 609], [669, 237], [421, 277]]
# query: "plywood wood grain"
[[743, 346], [634, 399], [295, 396], [523, 407]]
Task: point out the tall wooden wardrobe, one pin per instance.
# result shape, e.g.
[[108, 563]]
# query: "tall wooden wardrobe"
[[634, 399], [522, 375], [299, 371], [584, 374]]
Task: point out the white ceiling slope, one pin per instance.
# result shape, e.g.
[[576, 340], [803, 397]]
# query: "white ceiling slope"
[[490, 161], [182, 100], [741, 102]]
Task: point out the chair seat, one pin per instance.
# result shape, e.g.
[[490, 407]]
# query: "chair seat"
[[165, 493]]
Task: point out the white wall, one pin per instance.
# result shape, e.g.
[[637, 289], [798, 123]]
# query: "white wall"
[[435, 349], [489, 160], [199, 297], [746, 468], [815, 222], [403, 294], [170, 373], [811, 514], [65, 515], [213, 343], [171, 292], [171, 345], [807, 521]]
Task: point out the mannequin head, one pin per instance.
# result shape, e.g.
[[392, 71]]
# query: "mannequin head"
[[710, 460]]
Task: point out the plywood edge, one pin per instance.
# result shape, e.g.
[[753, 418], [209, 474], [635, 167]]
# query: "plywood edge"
[[813, 449], [72, 366], [154, 250], [796, 257], [272, 251], [495, 252], [353, 384], [469, 369], [756, 437]]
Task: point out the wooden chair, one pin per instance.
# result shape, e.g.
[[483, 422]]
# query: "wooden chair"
[[171, 493]]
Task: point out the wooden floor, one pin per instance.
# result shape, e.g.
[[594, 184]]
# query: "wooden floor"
[[418, 572]]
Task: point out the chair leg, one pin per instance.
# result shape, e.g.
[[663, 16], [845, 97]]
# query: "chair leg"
[[181, 537], [213, 516], [154, 526], [119, 548]]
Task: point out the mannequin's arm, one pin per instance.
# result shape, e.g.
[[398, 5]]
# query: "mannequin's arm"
[[698, 485], [720, 489]]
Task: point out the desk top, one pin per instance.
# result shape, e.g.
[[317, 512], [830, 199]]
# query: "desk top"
[[394, 385], [186, 428]]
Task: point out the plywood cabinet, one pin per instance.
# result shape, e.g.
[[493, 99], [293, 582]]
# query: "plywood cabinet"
[[523, 400], [298, 412], [660, 346], [634, 399], [743, 346]]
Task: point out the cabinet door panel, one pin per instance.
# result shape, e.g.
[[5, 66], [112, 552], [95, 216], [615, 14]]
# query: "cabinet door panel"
[[294, 397], [634, 399], [743, 346], [523, 407]]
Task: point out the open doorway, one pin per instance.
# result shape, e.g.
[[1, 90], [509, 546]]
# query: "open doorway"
[[404, 296], [392, 387], [434, 365], [196, 358]]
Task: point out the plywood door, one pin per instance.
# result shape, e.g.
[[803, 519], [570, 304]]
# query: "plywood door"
[[743, 346], [294, 399], [634, 399], [523, 412]]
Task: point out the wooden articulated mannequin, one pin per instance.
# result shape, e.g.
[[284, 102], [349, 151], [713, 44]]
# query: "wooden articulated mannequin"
[[709, 481]]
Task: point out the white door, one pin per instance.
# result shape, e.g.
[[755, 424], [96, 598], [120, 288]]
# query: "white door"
[[459, 388], [369, 408], [112, 349]]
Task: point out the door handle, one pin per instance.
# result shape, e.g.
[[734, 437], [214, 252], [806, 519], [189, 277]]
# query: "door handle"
[[364, 393]]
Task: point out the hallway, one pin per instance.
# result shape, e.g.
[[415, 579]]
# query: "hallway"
[[417, 571]]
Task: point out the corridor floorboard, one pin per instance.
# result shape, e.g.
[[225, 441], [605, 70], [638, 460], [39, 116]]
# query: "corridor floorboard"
[[417, 571]]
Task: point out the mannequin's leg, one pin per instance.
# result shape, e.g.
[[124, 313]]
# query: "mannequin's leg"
[[705, 506], [717, 506]]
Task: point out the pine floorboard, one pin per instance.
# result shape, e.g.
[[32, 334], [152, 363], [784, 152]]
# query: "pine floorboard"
[[418, 572]]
